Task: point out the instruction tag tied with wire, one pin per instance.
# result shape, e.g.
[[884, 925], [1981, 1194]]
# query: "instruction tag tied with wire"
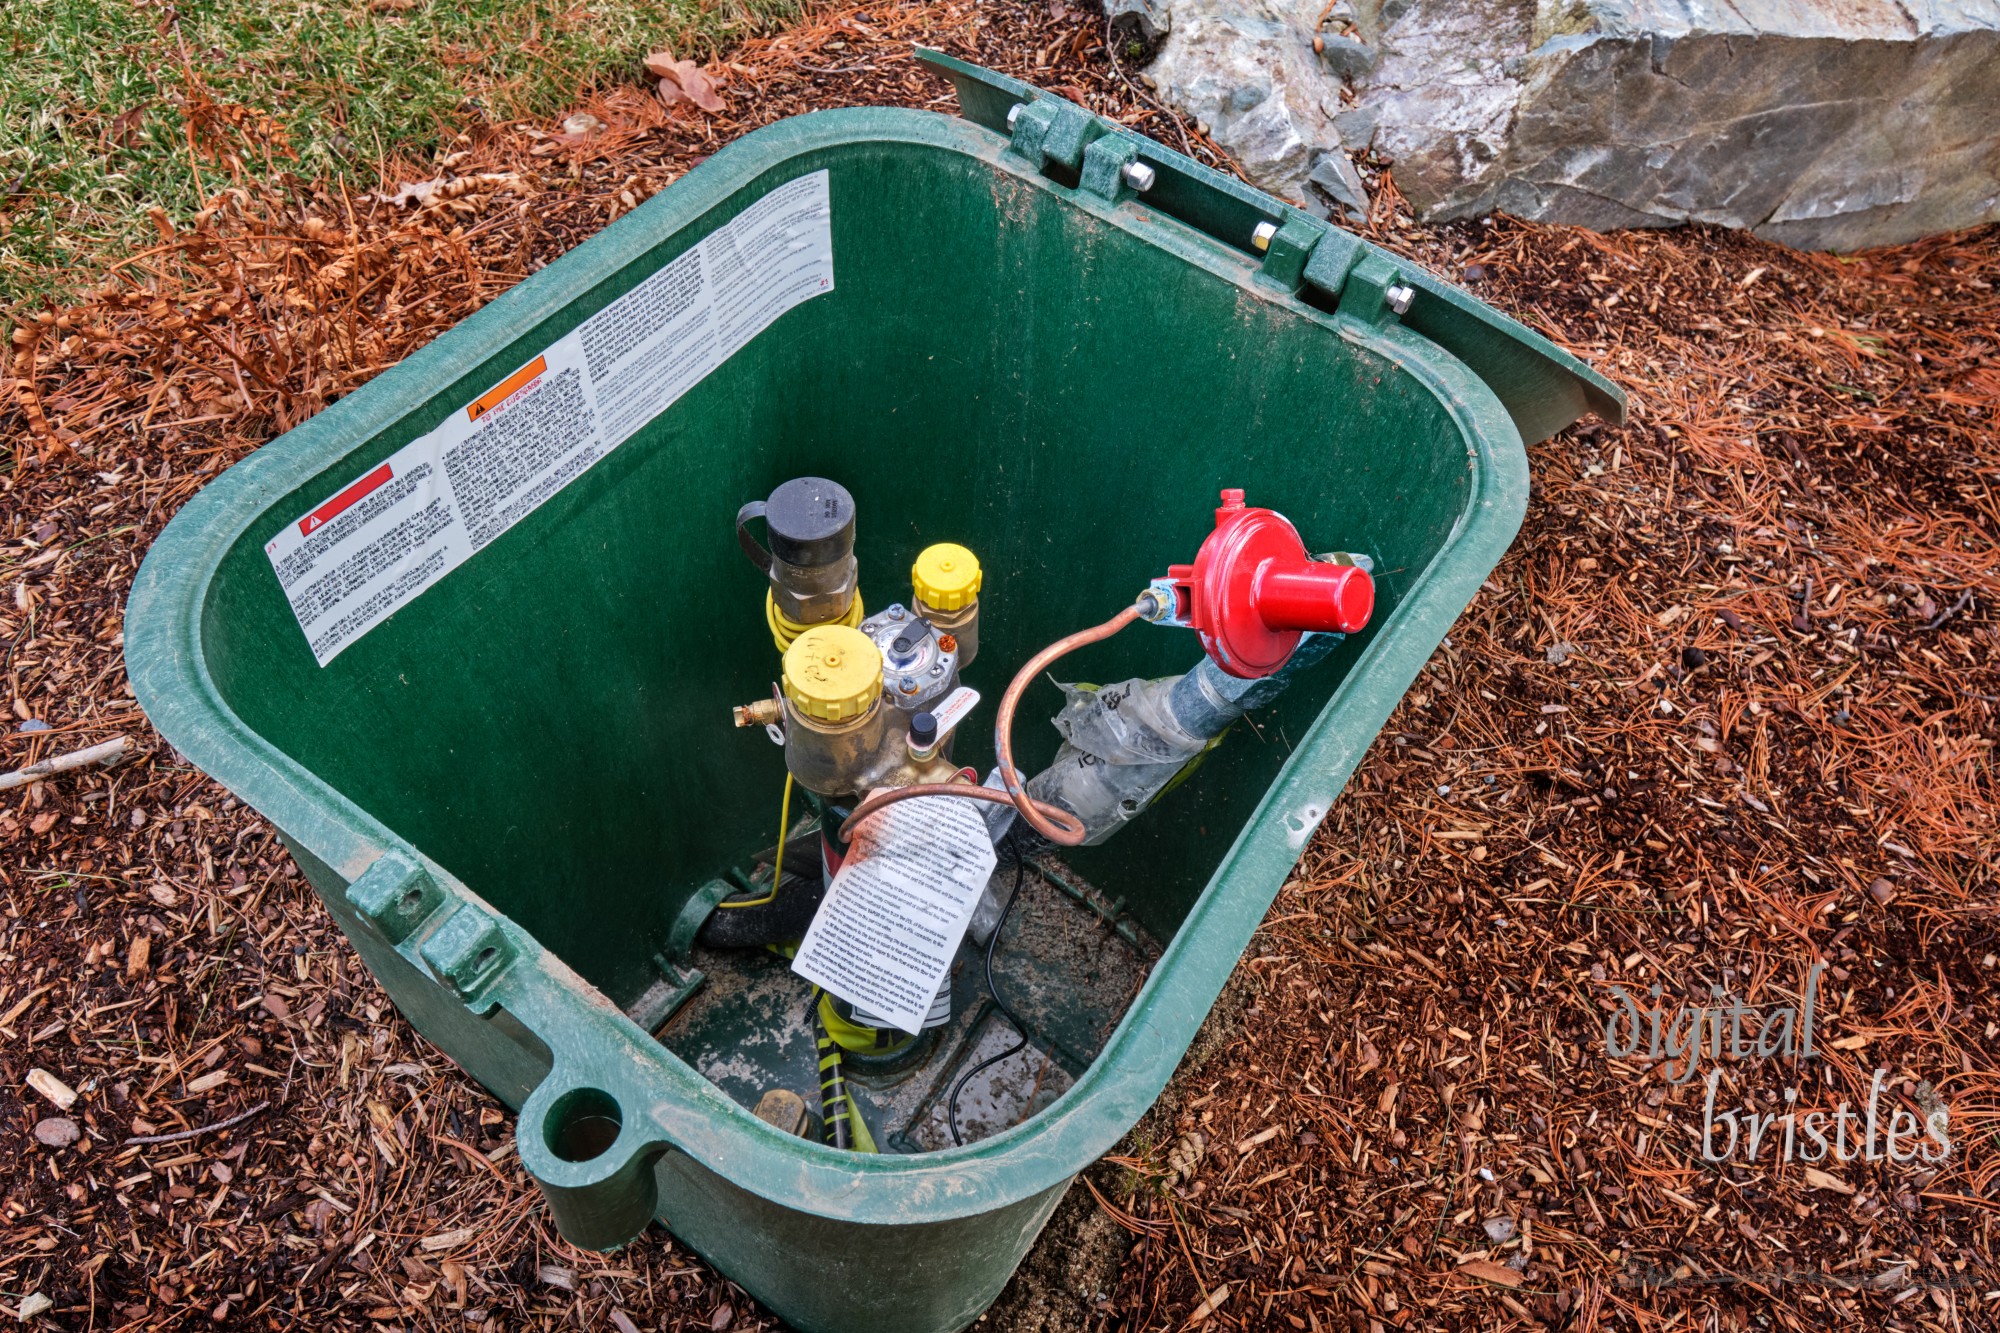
[[884, 936]]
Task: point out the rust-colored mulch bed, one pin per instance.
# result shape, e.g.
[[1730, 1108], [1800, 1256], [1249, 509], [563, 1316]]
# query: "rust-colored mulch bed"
[[1725, 712]]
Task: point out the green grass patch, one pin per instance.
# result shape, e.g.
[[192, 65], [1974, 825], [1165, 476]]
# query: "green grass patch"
[[98, 97]]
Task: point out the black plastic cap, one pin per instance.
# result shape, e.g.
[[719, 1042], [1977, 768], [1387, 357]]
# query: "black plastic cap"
[[811, 521], [923, 731]]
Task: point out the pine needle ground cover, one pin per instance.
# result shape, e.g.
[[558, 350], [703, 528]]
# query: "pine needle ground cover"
[[1723, 718]]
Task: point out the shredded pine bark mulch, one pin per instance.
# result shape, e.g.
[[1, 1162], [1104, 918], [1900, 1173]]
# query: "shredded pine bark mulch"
[[1725, 712]]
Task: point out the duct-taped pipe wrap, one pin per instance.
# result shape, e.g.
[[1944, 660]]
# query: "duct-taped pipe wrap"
[[1125, 744]]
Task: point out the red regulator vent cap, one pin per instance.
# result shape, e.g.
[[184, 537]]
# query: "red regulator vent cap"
[[1252, 591]]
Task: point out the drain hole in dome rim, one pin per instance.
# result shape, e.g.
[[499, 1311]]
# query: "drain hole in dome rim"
[[583, 1124]]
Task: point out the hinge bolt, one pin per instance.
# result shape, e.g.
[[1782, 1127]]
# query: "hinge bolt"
[[1260, 239], [1014, 113], [1398, 297], [1137, 175]]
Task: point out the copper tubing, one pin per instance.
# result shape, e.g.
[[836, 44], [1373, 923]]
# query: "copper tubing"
[[1053, 822], [971, 791]]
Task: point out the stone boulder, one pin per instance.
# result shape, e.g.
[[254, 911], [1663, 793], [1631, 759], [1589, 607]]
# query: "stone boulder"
[[1825, 124]]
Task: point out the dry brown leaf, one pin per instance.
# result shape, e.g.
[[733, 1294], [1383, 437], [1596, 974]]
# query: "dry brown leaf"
[[1488, 1271], [683, 78], [124, 126], [700, 89]]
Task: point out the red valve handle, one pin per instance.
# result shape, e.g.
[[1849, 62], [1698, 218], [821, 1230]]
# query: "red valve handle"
[[1252, 591]]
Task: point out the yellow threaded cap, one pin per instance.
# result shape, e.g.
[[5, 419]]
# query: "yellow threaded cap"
[[946, 576], [833, 673]]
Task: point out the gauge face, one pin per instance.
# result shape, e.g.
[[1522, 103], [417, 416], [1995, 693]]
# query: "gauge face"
[[919, 665]]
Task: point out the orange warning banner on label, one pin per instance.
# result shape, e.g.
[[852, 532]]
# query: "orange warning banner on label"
[[506, 388]]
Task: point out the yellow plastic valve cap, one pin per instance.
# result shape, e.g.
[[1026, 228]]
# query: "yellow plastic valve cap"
[[946, 576], [833, 673]]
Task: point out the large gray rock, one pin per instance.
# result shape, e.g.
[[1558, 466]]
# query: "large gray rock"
[[1831, 124], [1243, 72], [1148, 18]]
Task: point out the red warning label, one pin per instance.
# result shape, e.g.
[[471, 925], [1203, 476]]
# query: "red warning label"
[[353, 495]]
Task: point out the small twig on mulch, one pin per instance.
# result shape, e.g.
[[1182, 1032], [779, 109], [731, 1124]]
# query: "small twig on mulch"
[[1964, 600], [106, 753], [199, 1130]]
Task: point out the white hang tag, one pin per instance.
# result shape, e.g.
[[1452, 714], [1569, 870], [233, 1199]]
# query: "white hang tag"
[[884, 937]]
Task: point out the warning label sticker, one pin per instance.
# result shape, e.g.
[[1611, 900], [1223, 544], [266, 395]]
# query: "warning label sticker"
[[884, 936], [385, 537]]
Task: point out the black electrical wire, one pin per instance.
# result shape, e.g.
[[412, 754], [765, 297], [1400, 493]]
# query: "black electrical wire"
[[1020, 1028]]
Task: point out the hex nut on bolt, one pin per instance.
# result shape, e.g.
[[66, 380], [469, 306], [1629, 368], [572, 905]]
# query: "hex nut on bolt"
[[1398, 297], [1261, 238], [1137, 175]]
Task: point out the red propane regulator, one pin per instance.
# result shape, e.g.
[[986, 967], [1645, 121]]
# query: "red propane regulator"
[[1252, 591]]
